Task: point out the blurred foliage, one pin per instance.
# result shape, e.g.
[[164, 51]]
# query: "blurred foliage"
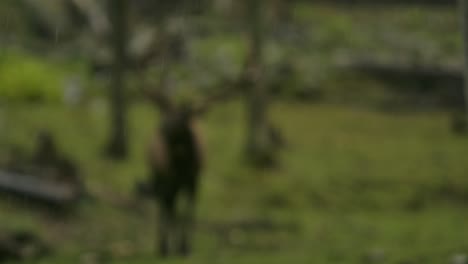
[[301, 53], [359, 184], [29, 78]]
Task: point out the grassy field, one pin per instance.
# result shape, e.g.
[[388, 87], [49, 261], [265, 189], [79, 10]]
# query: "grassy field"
[[353, 186]]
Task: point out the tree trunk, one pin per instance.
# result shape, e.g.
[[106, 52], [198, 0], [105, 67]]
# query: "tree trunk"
[[258, 146], [282, 12], [464, 25], [117, 147]]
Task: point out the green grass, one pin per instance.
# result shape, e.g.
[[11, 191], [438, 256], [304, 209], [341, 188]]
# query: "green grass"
[[355, 183], [352, 181]]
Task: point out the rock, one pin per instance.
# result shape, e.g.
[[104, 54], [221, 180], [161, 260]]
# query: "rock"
[[376, 255], [73, 92], [459, 259]]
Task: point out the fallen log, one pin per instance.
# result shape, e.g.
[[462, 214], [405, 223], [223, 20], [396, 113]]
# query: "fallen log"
[[390, 2], [48, 176], [443, 84], [39, 188], [392, 71]]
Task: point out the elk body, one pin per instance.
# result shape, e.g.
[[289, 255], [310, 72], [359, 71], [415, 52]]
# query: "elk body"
[[175, 158]]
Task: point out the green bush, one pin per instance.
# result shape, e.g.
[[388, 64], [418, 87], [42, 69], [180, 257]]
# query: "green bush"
[[27, 78]]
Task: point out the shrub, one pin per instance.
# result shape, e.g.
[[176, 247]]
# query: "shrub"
[[27, 78]]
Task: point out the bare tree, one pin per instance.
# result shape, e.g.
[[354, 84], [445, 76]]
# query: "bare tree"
[[117, 147], [259, 149], [464, 24]]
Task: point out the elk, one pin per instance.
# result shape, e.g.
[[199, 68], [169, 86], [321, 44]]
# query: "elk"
[[175, 156]]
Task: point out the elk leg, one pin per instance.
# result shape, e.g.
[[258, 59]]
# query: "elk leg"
[[166, 217], [186, 225]]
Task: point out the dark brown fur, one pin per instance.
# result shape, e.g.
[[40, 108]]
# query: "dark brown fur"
[[176, 160]]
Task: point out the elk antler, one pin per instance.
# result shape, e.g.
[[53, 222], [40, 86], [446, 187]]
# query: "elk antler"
[[217, 97], [158, 96]]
